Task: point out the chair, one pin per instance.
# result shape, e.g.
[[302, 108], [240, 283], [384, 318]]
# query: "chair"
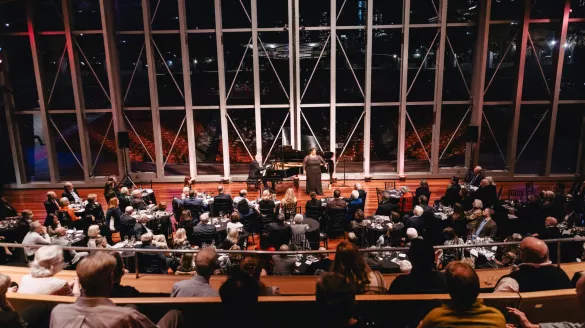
[[529, 189], [515, 193], [64, 218], [251, 182], [323, 238], [290, 210], [361, 239], [392, 184], [314, 212], [222, 205], [151, 263], [406, 202], [335, 221], [250, 221], [300, 240], [500, 192]]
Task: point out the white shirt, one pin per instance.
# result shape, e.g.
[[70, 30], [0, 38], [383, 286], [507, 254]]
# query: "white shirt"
[[232, 225], [75, 196], [44, 286], [34, 238]]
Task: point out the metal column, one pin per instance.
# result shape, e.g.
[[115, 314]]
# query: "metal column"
[[153, 88], [333, 78], [518, 101], [77, 90], [368, 91], [293, 64], [184, 36], [435, 152], [49, 140], [114, 81], [403, 87], [222, 93], [256, 64], [557, 86]]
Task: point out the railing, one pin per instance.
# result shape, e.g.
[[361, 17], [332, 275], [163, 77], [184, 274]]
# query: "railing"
[[244, 252]]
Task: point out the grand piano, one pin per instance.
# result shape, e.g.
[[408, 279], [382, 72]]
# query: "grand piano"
[[289, 163]]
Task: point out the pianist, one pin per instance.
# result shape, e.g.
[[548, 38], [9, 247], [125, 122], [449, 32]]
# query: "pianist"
[[255, 172]]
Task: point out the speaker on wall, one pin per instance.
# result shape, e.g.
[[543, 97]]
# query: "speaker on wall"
[[472, 133], [123, 140]]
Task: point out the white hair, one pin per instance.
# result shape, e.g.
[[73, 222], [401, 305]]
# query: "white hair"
[[418, 211], [477, 203], [411, 233], [129, 209], [298, 219], [405, 266], [93, 231], [357, 186], [204, 217], [404, 189], [63, 201], [124, 190], [48, 262], [4, 284], [490, 181], [186, 190], [355, 194], [144, 217], [33, 226], [146, 237], [136, 193]]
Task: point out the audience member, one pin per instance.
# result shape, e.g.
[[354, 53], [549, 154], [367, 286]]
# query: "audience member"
[[119, 291], [198, 286], [112, 224], [536, 273], [180, 240], [487, 192], [8, 317], [156, 263], [185, 193], [239, 296], [51, 204], [298, 230], [234, 222], [335, 298], [474, 178], [550, 231], [60, 239], [266, 204], [283, 264], [52, 223], [163, 220], [422, 190], [464, 309], [137, 202], [313, 202], [416, 221], [451, 239], [186, 265], [232, 239], [452, 195], [386, 207], [323, 265], [6, 210], [140, 226], [336, 202], [486, 227], [204, 232], [96, 276], [405, 202], [289, 198], [93, 232], [94, 208], [424, 278], [65, 213], [47, 263], [70, 193], [423, 201], [243, 195], [127, 222], [355, 203], [252, 266], [124, 198], [351, 265], [37, 235], [279, 233], [194, 205]]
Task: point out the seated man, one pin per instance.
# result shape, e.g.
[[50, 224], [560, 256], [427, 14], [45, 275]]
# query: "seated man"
[[337, 202], [536, 273], [279, 233], [243, 195], [487, 192], [453, 193], [151, 262], [474, 177], [72, 256], [37, 235], [386, 207], [194, 205], [137, 202], [465, 309], [416, 221], [198, 286], [204, 232], [140, 226], [486, 227], [124, 199], [223, 196], [71, 193], [96, 276], [323, 265], [127, 222], [255, 172], [283, 264]]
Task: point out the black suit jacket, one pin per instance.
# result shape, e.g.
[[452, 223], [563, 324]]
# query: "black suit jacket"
[[51, 207], [386, 208], [279, 234], [139, 230], [138, 204], [416, 222], [254, 170], [66, 193], [490, 229], [452, 195], [488, 195], [474, 179]]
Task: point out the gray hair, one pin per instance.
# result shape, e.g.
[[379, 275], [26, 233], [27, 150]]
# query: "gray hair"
[[404, 189], [92, 197], [124, 190], [136, 193], [93, 231], [357, 186], [204, 217], [33, 226], [411, 233], [418, 211], [48, 262], [477, 203], [298, 219], [4, 284], [129, 209], [147, 237], [63, 201], [355, 194]]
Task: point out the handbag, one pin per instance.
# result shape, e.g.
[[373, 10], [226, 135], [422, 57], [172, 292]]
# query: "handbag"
[[116, 238]]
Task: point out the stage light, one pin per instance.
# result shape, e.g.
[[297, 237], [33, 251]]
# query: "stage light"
[[553, 42]]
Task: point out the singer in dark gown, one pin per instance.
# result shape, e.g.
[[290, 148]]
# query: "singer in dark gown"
[[312, 168]]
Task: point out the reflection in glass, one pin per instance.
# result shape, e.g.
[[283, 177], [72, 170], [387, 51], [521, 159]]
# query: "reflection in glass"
[[352, 12], [533, 134], [92, 46], [133, 71], [67, 146], [86, 15], [129, 15], [236, 13], [142, 150], [56, 66], [388, 12], [384, 137], [573, 80], [242, 139], [348, 120], [203, 61], [316, 132], [175, 143], [33, 147], [239, 79], [352, 45], [418, 139], [462, 11], [496, 124], [452, 143], [423, 87], [22, 76], [386, 47], [272, 13], [424, 11], [539, 62], [314, 13], [502, 59], [315, 89], [272, 120], [169, 84], [165, 14], [274, 53], [200, 14], [458, 62], [568, 132], [208, 142], [102, 143]]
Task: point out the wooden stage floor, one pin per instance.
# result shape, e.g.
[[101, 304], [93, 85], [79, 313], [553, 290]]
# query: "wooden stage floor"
[[33, 198]]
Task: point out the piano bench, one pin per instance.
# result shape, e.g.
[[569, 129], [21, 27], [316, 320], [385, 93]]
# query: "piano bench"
[[253, 183]]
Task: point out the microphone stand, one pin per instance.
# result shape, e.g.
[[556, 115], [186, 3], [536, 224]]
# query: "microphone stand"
[[343, 185]]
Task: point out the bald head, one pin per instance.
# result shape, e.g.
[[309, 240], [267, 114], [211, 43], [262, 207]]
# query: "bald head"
[[533, 251], [205, 262]]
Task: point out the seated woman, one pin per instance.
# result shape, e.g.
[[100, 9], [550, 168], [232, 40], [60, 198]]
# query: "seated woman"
[[231, 239], [451, 238], [266, 204], [65, 213], [313, 202], [186, 265], [350, 263], [298, 230], [289, 204], [180, 240], [94, 208], [47, 263], [358, 228], [93, 232], [52, 223], [186, 222], [120, 291], [355, 203], [235, 222]]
